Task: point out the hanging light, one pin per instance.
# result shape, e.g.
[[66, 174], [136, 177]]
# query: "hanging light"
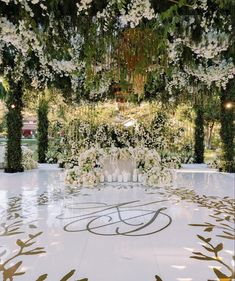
[[228, 105]]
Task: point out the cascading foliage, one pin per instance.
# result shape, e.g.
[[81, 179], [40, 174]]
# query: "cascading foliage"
[[227, 131], [84, 47], [42, 135], [14, 128], [199, 136]]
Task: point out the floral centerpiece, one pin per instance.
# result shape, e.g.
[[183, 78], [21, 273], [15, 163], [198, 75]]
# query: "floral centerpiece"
[[88, 171], [147, 163]]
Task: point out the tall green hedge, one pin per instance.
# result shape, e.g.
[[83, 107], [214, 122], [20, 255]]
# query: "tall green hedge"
[[227, 131], [42, 130], [14, 128], [199, 135]]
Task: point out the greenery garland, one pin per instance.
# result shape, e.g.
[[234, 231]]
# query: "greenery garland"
[[14, 125], [43, 124], [227, 131], [199, 135]]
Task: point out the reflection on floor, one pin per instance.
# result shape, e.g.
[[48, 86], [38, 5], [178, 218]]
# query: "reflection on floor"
[[118, 231]]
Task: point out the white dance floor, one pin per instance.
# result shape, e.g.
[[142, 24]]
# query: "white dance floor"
[[116, 232]]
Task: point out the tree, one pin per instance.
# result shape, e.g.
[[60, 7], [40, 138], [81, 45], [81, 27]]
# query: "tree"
[[227, 131], [42, 130], [14, 128], [211, 116]]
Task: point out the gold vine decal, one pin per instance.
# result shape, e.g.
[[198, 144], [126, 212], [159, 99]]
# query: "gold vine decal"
[[10, 272], [210, 248], [223, 215], [222, 227], [65, 278], [12, 226]]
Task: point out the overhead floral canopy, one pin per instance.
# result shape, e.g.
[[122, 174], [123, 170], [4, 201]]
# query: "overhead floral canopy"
[[147, 49], [86, 45]]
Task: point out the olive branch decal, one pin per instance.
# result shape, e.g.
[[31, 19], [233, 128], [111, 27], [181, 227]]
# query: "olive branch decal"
[[65, 278], [209, 247], [10, 272], [11, 229], [223, 215]]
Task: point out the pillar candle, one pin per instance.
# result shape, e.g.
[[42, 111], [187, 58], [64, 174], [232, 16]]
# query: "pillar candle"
[[109, 178], [140, 176], [125, 177], [135, 177], [119, 178], [101, 178], [114, 177]]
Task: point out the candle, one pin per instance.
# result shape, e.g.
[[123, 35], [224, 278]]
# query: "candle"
[[140, 177], [135, 171], [144, 179], [119, 178], [114, 177], [101, 178], [135, 177], [109, 178], [125, 177]]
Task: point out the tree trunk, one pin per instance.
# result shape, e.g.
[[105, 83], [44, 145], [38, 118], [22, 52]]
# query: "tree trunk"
[[227, 131], [42, 130], [199, 136], [14, 128], [210, 130]]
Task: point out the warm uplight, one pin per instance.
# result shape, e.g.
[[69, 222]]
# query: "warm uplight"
[[228, 105], [13, 106]]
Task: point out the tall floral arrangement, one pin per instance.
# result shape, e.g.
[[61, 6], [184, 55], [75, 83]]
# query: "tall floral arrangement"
[[89, 169]]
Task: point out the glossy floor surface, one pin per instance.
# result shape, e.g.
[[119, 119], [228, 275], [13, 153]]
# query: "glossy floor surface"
[[117, 232]]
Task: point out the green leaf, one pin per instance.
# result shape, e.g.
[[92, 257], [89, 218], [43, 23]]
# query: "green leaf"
[[32, 236], [29, 244], [14, 229], [202, 258], [42, 277], [20, 243], [227, 237], [158, 278], [32, 226], [68, 276], [208, 249], [220, 275], [19, 273], [14, 233], [10, 272], [227, 218], [204, 239], [33, 253], [208, 229], [195, 224], [219, 247]]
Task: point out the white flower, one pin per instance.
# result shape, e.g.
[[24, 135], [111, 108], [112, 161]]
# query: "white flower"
[[136, 11]]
